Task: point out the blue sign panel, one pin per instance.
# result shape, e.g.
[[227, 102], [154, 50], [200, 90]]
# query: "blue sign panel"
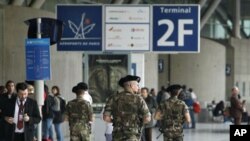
[[176, 28], [37, 59], [82, 27]]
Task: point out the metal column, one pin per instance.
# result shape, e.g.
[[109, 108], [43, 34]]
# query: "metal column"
[[39, 88], [236, 19], [209, 12]]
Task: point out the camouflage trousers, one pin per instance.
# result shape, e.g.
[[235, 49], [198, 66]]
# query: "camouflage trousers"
[[173, 138], [80, 135], [125, 137], [79, 138]]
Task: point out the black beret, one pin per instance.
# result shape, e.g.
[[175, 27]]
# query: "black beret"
[[128, 78], [74, 89], [80, 86], [173, 87]]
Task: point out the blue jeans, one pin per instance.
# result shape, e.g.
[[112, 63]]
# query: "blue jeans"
[[193, 122], [191, 112], [108, 137], [59, 133], [47, 128]]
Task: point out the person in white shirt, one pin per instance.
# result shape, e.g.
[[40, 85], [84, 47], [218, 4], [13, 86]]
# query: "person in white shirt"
[[108, 130], [86, 96]]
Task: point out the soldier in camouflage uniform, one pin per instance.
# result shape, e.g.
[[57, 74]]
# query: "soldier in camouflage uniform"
[[173, 113], [127, 111], [79, 113]]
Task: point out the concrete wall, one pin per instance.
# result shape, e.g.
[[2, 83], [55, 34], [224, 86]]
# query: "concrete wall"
[[242, 66], [230, 62], [138, 59], [151, 70], [164, 76], [66, 71], [13, 34], [204, 72], [1, 45]]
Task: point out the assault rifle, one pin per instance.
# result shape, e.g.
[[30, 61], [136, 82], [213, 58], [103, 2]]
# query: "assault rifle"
[[162, 131]]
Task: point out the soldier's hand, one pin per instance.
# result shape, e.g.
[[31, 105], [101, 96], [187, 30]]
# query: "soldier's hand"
[[90, 127]]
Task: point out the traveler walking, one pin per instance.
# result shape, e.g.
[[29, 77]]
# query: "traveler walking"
[[236, 109], [58, 111], [47, 112], [186, 96]]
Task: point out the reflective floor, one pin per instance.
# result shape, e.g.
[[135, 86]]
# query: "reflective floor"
[[203, 132], [208, 132]]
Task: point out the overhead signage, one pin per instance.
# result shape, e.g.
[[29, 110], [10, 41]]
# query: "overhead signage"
[[82, 27], [176, 28], [37, 59], [130, 28], [127, 28]]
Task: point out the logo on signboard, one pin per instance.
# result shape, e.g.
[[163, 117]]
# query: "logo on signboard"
[[82, 29]]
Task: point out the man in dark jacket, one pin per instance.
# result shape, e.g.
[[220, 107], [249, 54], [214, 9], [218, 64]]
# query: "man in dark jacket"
[[6, 98], [236, 106], [20, 114]]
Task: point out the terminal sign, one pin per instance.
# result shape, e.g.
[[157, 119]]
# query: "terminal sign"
[[176, 28]]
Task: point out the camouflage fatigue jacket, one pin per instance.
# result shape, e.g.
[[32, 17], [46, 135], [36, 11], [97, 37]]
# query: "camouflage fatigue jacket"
[[79, 114], [173, 111], [127, 111]]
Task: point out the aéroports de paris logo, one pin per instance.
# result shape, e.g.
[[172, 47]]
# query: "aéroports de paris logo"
[[80, 30]]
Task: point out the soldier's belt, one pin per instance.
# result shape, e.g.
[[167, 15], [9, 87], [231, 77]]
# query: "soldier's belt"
[[119, 129]]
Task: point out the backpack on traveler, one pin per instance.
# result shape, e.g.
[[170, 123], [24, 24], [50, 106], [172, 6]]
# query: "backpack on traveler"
[[196, 107]]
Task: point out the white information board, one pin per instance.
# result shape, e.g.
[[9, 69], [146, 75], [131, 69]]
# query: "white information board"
[[127, 28]]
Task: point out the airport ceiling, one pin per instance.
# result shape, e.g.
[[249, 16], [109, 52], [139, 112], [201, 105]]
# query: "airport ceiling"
[[225, 4], [224, 8], [50, 4]]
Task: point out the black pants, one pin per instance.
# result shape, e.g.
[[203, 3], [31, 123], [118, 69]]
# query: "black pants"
[[147, 134], [19, 137]]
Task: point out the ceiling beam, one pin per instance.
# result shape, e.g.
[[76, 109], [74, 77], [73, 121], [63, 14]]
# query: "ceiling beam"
[[37, 3]]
